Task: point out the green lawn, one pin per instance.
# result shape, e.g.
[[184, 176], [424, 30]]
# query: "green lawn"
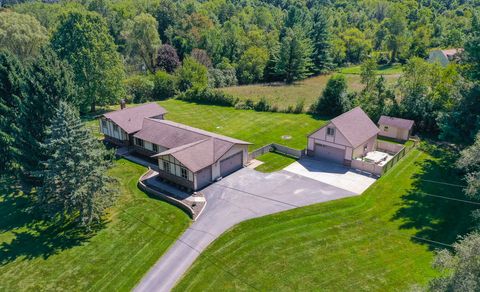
[[354, 244], [258, 128], [283, 95], [37, 257], [274, 161], [381, 70]]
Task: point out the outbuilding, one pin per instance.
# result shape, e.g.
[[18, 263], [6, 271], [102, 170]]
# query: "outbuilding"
[[395, 128]]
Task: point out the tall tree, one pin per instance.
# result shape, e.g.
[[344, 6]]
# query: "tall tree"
[[143, 39], [21, 34], [470, 162], [12, 85], [50, 81], [167, 58], [320, 36], [192, 75], [334, 99], [75, 183], [82, 39], [252, 65], [293, 62]]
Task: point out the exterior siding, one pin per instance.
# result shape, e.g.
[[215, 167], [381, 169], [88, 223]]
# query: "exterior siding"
[[203, 178], [235, 149], [360, 150], [394, 132], [438, 56], [109, 131], [176, 180]]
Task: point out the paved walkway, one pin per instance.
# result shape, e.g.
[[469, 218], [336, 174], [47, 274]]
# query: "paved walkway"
[[243, 195]]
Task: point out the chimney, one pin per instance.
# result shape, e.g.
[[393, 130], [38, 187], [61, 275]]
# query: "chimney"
[[122, 103]]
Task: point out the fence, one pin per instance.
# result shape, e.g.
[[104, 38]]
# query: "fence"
[[367, 166], [389, 147], [397, 157], [277, 148]]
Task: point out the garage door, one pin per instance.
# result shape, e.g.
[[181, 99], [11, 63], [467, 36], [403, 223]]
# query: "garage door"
[[231, 164], [329, 153]]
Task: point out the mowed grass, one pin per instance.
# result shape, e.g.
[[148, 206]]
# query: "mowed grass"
[[258, 128], [139, 229], [273, 161], [364, 243], [381, 70], [283, 95]]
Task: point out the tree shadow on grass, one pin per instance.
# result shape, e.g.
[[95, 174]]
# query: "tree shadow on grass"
[[437, 219], [32, 236]]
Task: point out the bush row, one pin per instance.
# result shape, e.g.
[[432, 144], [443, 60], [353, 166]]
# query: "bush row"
[[216, 97]]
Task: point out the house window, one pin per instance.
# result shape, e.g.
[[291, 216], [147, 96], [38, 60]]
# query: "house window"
[[115, 128], [154, 147], [330, 131], [104, 123], [365, 147], [166, 166], [385, 128], [184, 173], [139, 142]]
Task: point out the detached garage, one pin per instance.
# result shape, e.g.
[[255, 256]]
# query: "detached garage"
[[344, 138]]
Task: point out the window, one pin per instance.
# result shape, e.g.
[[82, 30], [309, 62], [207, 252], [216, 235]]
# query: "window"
[[330, 131], [139, 142], [115, 128], [385, 128], [154, 147], [365, 147], [184, 173], [104, 123], [166, 166]]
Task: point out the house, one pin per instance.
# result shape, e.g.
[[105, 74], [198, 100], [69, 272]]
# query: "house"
[[187, 156], [344, 138], [119, 126], [444, 57], [395, 128]]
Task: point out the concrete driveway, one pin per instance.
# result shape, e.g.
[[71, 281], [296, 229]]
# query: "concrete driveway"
[[243, 195], [333, 174]]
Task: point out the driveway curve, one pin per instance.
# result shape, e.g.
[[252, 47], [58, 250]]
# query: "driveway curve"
[[243, 195]]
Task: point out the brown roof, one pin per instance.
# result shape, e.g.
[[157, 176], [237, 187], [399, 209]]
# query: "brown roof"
[[450, 52], [356, 126], [131, 119], [396, 122], [195, 148], [198, 155]]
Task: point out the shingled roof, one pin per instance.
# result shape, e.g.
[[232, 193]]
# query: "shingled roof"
[[356, 126], [131, 119], [396, 122], [194, 148]]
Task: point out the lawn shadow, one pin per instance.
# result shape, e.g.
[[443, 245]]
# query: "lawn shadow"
[[437, 219], [32, 236]]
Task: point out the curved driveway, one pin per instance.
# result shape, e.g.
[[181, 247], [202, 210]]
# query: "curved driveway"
[[243, 195]]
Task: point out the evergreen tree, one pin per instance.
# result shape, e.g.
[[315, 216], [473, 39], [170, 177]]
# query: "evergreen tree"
[[50, 80], [82, 39], [334, 99], [320, 36], [75, 183], [12, 84], [293, 62]]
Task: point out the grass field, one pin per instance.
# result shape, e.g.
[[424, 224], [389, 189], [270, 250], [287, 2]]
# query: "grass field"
[[258, 128], [381, 70], [379, 241], [37, 257], [273, 161], [283, 95]]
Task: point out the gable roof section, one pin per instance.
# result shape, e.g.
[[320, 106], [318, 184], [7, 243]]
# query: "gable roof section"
[[355, 126], [396, 122], [198, 155], [131, 119]]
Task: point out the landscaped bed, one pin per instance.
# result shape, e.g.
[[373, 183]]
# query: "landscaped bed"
[[381, 240], [139, 229]]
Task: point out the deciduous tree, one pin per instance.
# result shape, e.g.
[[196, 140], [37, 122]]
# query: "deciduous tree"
[[167, 58]]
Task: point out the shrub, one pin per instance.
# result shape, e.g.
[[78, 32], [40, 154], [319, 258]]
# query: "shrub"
[[208, 96], [139, 88], [165, 85], [222, 77], [299, 106], [262, 105]]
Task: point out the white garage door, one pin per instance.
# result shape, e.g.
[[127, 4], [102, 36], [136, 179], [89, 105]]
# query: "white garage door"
[[329, 153], [231, 164]]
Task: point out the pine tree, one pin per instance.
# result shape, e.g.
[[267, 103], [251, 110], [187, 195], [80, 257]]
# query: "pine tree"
[[75, 183], [12, 83], [320, 36], [50, 81], [294, 61]]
